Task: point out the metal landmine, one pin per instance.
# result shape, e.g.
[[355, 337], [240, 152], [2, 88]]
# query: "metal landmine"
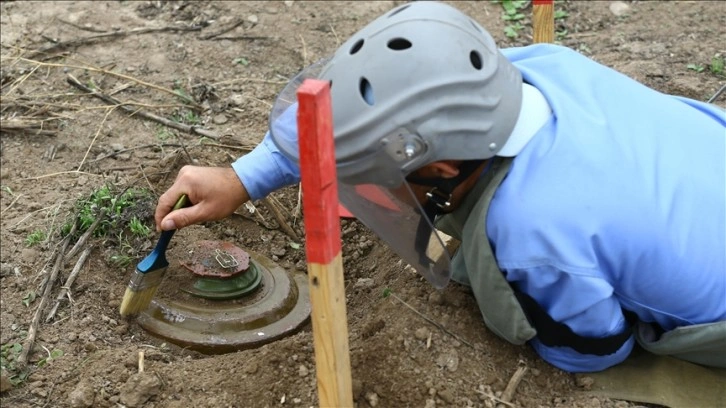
[[223, 299]]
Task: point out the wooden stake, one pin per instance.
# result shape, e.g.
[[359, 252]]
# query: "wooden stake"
[[323, 246], [543, 21]]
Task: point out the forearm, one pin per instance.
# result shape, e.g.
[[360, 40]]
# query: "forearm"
[[265, 170]]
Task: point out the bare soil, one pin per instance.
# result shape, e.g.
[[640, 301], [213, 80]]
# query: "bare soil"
[[398, 358]]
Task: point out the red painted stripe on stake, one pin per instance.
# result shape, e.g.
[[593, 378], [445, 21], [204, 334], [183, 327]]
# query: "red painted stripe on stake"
[[317, 171], [542, 2]]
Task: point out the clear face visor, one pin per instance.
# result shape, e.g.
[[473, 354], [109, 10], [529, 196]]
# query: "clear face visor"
[[395, 214]]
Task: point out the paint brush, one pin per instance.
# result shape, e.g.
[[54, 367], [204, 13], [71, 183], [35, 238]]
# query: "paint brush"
[[148, 274]]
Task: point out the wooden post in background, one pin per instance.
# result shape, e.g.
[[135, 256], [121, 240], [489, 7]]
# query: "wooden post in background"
[[543, 21], [323, 244]]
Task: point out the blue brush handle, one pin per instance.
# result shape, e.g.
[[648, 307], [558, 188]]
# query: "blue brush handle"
[[157, 258]]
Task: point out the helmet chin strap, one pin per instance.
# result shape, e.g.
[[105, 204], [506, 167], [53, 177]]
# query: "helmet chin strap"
[[439, 201], [439, 197]]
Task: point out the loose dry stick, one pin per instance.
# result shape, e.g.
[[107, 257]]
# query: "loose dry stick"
[[92, 38], [137, 112], [65, 289], [114, 74], [84, 238], [511, 388], [428, 319], [280, 218], [33, 329]]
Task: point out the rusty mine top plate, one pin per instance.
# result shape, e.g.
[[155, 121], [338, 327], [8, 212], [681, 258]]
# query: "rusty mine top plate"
[[276, 308], [218, 259]]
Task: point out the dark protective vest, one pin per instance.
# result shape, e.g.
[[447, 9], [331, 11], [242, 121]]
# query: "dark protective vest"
[[517, 317], [512, 315]]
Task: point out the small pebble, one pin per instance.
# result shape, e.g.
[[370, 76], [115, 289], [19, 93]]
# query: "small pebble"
[[422, 333], [446, 395], [436, 298], [364, 283], [220, 119], [372, 399], [619, 8], [585, 382], [250, 368]]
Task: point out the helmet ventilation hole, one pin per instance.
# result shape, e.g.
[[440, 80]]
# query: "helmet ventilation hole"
[[357, 46], [475, 59], [394, 12], [366, 91], [399, 44]]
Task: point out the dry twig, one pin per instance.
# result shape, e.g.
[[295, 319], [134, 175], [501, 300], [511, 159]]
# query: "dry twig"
[[100, 127], [428, 319], [114, 74], [494, 397], [66, 288], [511, 388], [242, 38], [141, 361], [30, 126], [272, 207], [221, 30], [33, 328], [84, 238], [62, 45], [137, 112], [80, 27]]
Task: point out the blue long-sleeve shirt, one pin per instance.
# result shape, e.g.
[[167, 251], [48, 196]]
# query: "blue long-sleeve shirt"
[[619, 201]]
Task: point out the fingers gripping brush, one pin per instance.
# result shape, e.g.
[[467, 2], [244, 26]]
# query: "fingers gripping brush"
[[148, 273]]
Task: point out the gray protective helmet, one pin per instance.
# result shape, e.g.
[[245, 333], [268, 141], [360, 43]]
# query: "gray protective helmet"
[[421, 83]]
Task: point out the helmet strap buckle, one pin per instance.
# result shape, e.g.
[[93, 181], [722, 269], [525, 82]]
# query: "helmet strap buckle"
[[440, 198]]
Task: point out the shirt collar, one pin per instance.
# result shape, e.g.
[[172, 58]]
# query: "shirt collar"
[[533, 114]]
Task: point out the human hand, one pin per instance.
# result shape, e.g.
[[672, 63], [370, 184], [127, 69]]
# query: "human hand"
[[214, 193]]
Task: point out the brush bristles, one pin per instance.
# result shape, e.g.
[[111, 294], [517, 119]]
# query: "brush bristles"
[[136, 301]]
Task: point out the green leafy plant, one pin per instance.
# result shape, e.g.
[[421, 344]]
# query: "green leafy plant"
[[513, 14], [163, 133], [241, 61], [561, 14], [116, 205], [513, 9], [186, 116], [29, 298], [717, 64], [179, 90], [52, 355], [696, 67], [387, 292], [121, 260], [9, 353], [512, 30], [138, 228], [35, 238], [125, 255]]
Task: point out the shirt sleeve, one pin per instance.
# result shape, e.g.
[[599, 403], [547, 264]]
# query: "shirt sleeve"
[[265, 169], [583, 301]]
